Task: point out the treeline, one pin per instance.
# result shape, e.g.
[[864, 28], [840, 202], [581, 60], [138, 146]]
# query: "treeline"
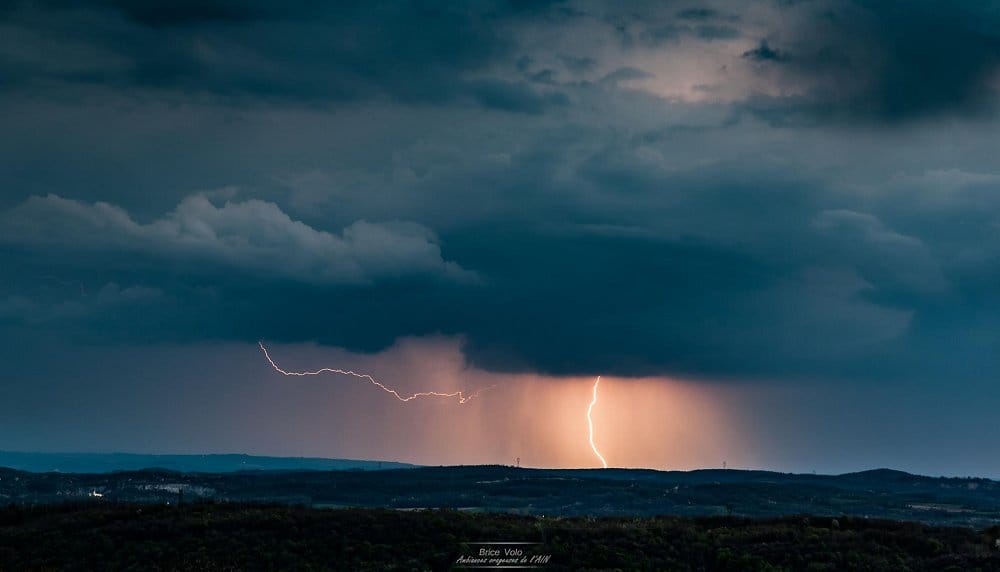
[[231, 536]]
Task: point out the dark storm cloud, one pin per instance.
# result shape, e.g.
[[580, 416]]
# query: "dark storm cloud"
[[652, 279], [698, 14], [170, 13], [886, 61], [660, 35], [165, 13], [387, 190], [304, 52], [763, 53], [251, 235], [578, 64], [656, 26], [517, 97]]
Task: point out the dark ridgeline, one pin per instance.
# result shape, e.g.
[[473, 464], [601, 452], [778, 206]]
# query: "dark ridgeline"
[[216, 463]]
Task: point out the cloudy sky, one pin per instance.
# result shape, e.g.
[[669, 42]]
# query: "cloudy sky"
[[772, 225]]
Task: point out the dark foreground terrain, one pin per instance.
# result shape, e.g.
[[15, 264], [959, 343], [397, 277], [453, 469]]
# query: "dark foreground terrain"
[[884, 494], [235, 536]]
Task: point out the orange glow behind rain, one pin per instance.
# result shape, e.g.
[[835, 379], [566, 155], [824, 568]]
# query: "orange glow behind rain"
[[654, 423]]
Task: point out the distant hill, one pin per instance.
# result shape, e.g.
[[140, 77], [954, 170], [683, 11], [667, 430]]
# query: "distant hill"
[[549, 492], [109, 462]]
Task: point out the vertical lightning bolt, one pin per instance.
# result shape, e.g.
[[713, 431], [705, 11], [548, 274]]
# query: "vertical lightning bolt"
[[462, 398], [590, 424]]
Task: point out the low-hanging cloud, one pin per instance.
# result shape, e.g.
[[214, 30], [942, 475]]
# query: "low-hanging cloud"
[[109, 298], [252, 235]]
